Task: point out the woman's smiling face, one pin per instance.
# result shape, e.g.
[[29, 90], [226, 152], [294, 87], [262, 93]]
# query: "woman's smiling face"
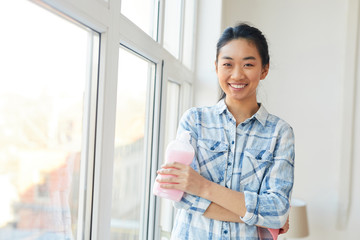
[[239, 69]]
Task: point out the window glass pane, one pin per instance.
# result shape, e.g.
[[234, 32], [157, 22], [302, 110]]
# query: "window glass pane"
[[144, 13], [172, 26], [189, 33], [44, 76], [172, 111], [171, 124], [128, 194], [187, 97]]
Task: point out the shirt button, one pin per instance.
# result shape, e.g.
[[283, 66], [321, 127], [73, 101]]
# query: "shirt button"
[[229, 163], [225, 231], [232, 142]]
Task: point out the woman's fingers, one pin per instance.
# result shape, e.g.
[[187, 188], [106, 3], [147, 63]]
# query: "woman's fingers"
[[176, 169], [167, 179], [168, 171], [285, 228], [170, 182], [174, 165], [179, 176], [169, 174]]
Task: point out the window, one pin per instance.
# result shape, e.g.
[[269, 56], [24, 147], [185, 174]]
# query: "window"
[[172, 27], [143, 13], [171, 124], [189, 33], [46, 111], [136, 75], [86, 111], [179, 29]]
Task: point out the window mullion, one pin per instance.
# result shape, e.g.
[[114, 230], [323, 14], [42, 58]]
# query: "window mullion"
[[161, 22], [182, 29], [104, 150]]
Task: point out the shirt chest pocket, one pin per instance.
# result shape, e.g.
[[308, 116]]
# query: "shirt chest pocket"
[[212, 157], [255, 164]]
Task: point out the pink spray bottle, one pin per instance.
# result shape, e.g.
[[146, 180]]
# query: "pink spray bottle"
[[179, 150]]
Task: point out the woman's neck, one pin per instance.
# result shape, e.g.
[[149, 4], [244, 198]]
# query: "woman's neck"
[[242, 110]]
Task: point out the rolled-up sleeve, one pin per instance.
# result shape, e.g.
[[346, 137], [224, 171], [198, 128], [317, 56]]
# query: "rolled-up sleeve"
[[270, 206], [191, 203]]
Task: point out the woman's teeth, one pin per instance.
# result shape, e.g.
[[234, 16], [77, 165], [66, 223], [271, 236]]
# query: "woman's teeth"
[[238, 85]]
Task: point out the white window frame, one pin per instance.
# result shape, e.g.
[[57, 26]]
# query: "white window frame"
[[105, 18]]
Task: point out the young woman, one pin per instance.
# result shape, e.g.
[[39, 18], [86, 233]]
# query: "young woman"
[[242, 175]]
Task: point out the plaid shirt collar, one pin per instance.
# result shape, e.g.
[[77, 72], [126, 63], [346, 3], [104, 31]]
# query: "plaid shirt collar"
[[261, 115]]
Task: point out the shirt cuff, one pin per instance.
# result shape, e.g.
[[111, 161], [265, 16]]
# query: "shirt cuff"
[[251, 203], [193, 204]]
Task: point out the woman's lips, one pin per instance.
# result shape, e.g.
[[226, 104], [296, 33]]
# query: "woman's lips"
[[238, 85]]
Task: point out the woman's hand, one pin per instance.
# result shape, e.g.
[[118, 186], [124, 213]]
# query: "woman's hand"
[[182, 177], [285, 228]]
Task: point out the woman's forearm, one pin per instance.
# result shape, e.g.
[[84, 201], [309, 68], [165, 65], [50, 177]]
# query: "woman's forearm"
[[226, 204], [228, 199], [216, 212], [184, 178]]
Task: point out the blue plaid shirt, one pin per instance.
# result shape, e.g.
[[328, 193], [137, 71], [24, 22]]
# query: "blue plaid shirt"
[[256, 158]]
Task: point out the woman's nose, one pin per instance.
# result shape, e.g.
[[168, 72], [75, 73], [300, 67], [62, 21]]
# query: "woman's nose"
[[237, 73]]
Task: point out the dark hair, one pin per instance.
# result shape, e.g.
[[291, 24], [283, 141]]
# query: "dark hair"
[[249, 33]]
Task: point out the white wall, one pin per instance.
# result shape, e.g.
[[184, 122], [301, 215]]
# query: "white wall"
[[206, 91], [352, 231], [307, 49], [303, 87]]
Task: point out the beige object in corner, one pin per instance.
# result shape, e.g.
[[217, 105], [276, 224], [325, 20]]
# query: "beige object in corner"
[[298, 220]]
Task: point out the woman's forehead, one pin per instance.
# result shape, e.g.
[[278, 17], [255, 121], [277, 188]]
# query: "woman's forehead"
[[239, 48]]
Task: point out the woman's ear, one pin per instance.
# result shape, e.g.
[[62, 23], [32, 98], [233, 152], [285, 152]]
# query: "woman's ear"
[[216, 67], [264, 72]]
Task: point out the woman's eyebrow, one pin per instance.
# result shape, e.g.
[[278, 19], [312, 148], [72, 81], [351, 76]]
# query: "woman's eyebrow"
[[249, 58], [245, 58], [226, 57]]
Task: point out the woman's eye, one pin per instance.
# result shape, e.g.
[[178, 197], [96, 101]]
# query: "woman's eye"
[[248, 65], [226, 64]]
